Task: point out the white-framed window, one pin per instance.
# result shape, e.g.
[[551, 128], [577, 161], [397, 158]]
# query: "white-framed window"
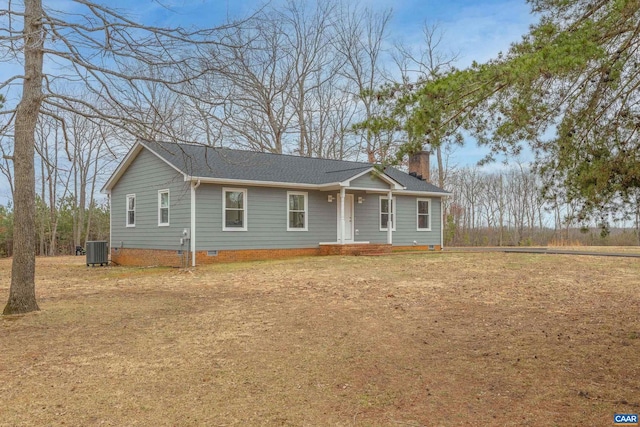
[[131, 210], [297, 210], [234, 209], [385, 212], [423, 213], [163, 208]]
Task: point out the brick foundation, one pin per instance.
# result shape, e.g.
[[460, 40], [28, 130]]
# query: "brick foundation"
[[149, 257], [253, 255], [416, 248], [146, 257], [356, 249]]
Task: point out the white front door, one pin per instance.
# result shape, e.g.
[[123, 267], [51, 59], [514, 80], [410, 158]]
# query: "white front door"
[[348, 218]]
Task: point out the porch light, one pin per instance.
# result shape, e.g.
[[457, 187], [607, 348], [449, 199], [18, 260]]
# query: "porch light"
[[329, 198], [360, 199]]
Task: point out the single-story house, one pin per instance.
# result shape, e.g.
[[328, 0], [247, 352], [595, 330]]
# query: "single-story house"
[[189, 204]]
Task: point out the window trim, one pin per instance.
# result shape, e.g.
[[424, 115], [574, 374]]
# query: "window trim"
[[394, 207], [160, 192], [418, 200], [306, 210], [126, 210], [245, 208]]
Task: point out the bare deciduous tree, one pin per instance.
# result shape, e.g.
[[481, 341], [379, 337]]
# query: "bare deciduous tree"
[[105, 54], [359, 39], [89, 158], [253, 86]]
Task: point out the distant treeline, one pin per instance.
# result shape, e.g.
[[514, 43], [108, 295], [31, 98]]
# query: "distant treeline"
[[503, 208], [591, 236], [58, 227], [506, 208]]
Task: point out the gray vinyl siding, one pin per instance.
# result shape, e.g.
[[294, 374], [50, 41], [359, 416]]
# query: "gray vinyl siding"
[[407, 228], [267, 214], [266, 220], [367, 221], [369, 181], [145, 177]]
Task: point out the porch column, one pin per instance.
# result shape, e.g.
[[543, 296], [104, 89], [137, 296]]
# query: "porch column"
[[342, 224], [390, 221]]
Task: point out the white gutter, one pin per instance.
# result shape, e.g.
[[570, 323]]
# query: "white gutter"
[[193, 222], [420, 193], [322, 187], [251, 183]]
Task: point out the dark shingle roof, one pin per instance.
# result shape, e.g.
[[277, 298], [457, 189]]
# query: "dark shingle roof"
[[225, 163]]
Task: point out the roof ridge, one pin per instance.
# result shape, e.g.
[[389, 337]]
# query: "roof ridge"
[[196, 144], [350, 169], [231, 163]]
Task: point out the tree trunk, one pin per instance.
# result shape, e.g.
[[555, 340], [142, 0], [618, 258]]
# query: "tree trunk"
[[638, 218], [40, 221], [22, 294], [53, 214], [91, 196], [440, 166]]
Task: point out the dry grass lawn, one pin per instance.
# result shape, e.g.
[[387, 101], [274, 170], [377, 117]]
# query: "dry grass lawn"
[[408, 340]]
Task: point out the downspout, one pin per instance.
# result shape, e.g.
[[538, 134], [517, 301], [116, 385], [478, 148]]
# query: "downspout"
[[390, 219], [110, 222], [442, 223], [342, 223], [193, 221]]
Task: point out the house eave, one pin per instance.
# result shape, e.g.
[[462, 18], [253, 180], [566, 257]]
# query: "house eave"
[[253, 183], [423, 193], [177, 169], [122, 167], [395, 185], [129, 158], [322, 187]]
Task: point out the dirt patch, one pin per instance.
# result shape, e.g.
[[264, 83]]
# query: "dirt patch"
[[406, 340]]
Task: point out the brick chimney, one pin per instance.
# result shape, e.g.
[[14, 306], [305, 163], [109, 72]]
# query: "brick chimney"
[[419, 165]]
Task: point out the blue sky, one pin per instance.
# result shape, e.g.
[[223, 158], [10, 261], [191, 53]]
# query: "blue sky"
[[476, 30]]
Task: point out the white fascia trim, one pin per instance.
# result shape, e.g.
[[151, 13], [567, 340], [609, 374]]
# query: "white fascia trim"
[[122, 167], [128, 159], [251, 183], [372, 190], [386, 178], [402, 193], [163, 159], [422, 193], [323, 187]]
